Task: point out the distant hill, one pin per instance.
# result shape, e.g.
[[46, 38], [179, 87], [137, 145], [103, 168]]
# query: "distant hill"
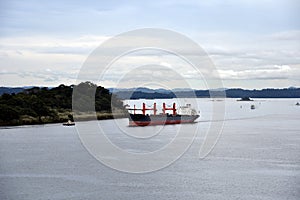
[[10, 90], [139, 89], [145, 93], [264, 93]]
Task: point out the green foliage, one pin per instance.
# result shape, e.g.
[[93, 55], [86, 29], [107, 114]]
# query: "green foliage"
[[44, 103], [8, 113]]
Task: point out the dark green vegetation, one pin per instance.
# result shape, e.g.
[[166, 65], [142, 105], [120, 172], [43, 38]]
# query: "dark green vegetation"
[[43, 105]]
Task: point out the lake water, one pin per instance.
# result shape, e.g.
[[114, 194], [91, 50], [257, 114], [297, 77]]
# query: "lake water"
[[257, 156]]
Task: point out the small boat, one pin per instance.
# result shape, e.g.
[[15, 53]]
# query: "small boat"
[[245, 99], [252, 107], [297, 104], [69, 123]]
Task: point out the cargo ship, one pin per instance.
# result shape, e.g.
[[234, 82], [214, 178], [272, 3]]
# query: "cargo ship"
[[184, 114]]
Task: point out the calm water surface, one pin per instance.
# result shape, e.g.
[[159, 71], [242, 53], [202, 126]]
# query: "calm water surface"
[[256, 157]]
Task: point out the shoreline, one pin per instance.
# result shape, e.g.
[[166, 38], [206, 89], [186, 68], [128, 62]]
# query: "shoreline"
[[79, 117]]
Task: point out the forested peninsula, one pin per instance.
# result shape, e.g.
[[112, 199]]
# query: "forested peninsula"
[[54, 105]]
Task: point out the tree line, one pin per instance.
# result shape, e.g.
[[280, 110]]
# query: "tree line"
[[43, 105]]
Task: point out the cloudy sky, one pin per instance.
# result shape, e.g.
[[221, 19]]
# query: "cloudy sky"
[[252, 43]]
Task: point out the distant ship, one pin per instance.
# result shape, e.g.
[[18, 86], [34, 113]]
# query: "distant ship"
[[185, 114]]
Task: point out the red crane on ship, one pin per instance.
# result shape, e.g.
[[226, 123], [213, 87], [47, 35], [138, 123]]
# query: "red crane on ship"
[[144, 109]]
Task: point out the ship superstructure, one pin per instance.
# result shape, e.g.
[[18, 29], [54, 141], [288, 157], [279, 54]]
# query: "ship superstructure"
[[184, 114]]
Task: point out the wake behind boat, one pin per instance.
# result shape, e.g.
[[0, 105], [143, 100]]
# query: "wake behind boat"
[[185, 114]]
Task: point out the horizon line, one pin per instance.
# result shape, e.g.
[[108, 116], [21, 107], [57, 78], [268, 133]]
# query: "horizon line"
[[225, 88]]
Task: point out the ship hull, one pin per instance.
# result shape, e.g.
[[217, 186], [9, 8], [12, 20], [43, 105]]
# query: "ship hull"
[[150, 120]]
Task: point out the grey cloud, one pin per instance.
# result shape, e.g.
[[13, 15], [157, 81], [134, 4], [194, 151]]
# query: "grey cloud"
[[64, 50], [286, 35], [47, 76]]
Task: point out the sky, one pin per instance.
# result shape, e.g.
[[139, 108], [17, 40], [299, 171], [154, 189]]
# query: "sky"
[[253, 44]]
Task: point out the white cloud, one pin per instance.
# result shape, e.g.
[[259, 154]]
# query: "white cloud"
[[80, 45], [269, 72], [49, 60]]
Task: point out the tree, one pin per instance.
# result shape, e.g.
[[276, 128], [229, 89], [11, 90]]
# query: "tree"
[[39, 107], [8, 113]]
